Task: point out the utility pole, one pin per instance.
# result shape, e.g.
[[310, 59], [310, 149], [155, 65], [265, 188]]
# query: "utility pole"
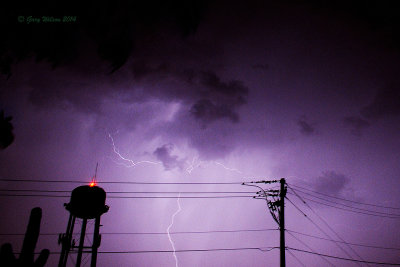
[[276, 204], [282, 195]]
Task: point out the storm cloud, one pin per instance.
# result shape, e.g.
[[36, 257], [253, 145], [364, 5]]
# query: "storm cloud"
[[113, 29], [197, 97], [305, 127], [169, 161], [331, 183], [386, 103], [357, 124]]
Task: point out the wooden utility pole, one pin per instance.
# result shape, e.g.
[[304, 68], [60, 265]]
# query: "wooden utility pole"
[[276, 208], [282, 222]]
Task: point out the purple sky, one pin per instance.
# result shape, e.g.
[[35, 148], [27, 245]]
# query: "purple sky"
[[240, 92]]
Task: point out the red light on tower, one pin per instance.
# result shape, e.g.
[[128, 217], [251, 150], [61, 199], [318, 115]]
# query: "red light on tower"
[[93, 183]]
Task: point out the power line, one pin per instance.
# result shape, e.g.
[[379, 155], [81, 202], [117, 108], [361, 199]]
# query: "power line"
[[357, 210], [352, 244], [128, 197], [322, 230], [122, 182], [299, 240], [262, 249], [297, 259], [352, 201], [338, 203], [294, 205], [131, 192], [346, 259], [330, 228], [371, 213], [163, 233]]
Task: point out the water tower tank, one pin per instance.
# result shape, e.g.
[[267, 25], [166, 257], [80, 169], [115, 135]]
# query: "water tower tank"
[[87, 202]]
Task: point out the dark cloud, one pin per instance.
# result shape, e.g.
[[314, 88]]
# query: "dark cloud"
[[169, 161], [190, 85], [114, 29], [305, 127], [385, 103], [375, 15], [260, 67], [357, 124], [331, 183], [220, 99], [141, 69], [61, 92], [207, 112], [213, 143], [234, 91], [143, 46]]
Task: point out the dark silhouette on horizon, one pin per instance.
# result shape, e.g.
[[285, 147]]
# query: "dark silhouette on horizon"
[[6, 134], [26, 258]]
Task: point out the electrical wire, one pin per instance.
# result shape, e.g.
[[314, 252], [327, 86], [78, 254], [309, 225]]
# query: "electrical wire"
[[352, 201], [294, 205], [310, 248], [323, 231], [330, 228], [205, 192], [346, 259], [163, 233], [352, 244], [371, 213], [121, 182], [127, 197], [262, 249], [338, 203], [127, 192], [297, 259]]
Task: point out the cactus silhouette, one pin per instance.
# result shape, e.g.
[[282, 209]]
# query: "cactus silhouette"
[[26, 257], [6, 134]]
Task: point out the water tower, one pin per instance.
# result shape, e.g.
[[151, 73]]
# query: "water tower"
[[87, 203]]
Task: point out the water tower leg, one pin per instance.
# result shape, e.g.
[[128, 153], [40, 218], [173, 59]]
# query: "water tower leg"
[[96, 241], [81, 243], [66, 241]]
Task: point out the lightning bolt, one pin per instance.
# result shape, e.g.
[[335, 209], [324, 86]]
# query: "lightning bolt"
[[170, 226], [193, 165], [226, 168], [127, 162]]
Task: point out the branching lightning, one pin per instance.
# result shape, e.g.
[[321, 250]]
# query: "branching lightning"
[[192, 166], [125, 161], [170, 226]]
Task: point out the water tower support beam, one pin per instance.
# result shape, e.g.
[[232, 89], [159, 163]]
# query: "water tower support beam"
[[81, 243], [96, 241], [65, 240]]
